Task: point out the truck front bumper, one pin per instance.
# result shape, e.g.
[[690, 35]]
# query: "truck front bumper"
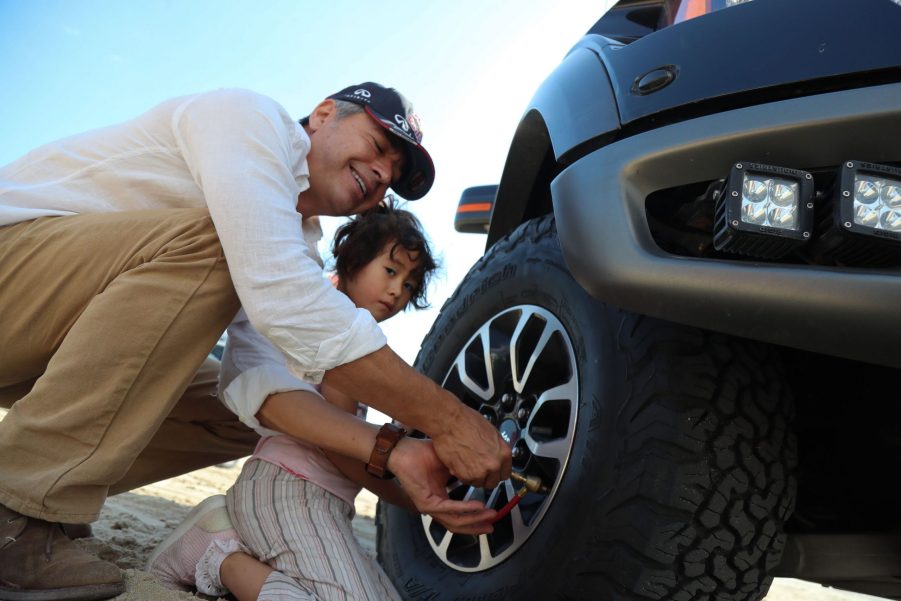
[[599, 203]]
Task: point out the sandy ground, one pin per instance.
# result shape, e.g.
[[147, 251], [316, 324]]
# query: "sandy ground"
[[132, 524]]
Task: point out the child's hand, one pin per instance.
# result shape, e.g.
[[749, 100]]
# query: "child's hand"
[[424, 478]]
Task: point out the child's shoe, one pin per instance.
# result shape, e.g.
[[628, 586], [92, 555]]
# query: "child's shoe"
[[191, 555]]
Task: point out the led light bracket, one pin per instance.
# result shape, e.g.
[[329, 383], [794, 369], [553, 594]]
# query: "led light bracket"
[[741, 233]]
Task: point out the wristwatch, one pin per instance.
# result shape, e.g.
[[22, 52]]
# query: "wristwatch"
[[385, 441]]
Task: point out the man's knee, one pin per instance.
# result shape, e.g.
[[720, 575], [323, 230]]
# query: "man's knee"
[[12, 393], [194, 236], [195, 228]]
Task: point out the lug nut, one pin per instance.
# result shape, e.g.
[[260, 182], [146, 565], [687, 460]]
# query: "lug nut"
[[507, 400], [522, 413], [516, 452]]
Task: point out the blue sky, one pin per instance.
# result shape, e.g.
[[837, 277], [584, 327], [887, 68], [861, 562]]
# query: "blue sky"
[[469, 67]]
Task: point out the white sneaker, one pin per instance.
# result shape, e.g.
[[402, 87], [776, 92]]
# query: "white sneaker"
[[175, 560]]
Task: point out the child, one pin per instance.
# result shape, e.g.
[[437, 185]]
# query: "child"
[[292, 505]]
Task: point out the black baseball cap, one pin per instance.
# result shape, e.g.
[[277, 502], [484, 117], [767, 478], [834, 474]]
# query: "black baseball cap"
[[392, 111]]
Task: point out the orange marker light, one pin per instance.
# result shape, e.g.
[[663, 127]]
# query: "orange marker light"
[[474, 208]]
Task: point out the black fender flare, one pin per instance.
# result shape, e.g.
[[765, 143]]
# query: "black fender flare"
[[572, 112]]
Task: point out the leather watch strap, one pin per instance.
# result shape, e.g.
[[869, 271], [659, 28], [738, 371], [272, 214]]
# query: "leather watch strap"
[[385, 441]]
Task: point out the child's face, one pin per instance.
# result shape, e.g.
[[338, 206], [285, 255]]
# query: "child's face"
[[385, 284]]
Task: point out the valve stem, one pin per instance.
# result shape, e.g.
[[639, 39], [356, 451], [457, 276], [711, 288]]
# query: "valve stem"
[[530, 483]]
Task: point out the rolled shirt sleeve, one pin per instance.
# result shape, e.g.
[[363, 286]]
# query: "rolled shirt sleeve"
[[252, 369], [245, 394], [249, 158]]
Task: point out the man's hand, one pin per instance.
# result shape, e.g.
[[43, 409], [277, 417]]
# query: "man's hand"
[[468, 445], [424, 477], [472, 449]]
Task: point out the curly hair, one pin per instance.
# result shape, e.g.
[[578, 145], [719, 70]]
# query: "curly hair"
[[362, 239]]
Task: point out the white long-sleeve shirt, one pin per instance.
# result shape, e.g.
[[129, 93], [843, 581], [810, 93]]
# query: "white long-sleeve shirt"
[[252, 369], [244, 392], [244, 158]]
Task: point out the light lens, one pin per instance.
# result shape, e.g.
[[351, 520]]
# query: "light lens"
[[877, 202], [769, 201], [891, 196]]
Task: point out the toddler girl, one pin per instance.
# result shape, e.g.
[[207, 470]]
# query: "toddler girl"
[[287, 533]]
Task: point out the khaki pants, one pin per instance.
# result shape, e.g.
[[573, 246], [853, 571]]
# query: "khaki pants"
[[105, 324]]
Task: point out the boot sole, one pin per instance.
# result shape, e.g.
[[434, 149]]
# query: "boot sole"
[[90, 592], [187, 524]]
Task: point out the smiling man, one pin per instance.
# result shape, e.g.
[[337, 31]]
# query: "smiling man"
[[126, 251], [356, 160]]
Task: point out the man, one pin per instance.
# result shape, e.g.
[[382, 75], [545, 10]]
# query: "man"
[[125, 252]]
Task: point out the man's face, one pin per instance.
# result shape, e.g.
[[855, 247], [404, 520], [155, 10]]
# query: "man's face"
[[352, 163]]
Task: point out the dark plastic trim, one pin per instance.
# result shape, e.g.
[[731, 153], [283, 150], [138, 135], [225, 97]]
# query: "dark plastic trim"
[[599, 203], [574, 106]]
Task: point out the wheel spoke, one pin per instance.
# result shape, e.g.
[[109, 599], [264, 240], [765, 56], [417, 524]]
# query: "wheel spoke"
[[552, 449], [472, 493], [519, 380], [508, 488], [568, 391], [558, 447], [445, 543], [514, 348], [468, 381], [485, 555], [520, 530], [454, 486], [492, 498]]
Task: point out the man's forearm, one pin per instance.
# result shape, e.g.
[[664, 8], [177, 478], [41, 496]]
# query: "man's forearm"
[[310, 418], [384, 381]]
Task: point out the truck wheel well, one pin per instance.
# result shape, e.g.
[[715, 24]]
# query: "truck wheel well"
[[525, 188]]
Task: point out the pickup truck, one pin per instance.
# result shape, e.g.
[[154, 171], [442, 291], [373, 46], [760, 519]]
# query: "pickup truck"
[[687, 319]]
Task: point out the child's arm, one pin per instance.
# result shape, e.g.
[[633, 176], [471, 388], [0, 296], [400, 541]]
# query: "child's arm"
[[355, 471], [309, 417], [256, 385]]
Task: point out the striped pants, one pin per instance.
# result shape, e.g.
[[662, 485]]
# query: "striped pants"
[[304, 533]]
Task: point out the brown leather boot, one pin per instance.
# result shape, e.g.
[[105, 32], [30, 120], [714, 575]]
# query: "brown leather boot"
[[39, 563]]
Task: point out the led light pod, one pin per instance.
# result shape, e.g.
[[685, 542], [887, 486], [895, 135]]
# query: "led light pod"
[[862, 226], [870, 200], [764, 210]]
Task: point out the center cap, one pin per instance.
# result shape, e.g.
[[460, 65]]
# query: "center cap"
[[509, 431]]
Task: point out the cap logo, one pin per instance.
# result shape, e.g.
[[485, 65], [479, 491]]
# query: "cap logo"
[[400, 120], [363, 92]]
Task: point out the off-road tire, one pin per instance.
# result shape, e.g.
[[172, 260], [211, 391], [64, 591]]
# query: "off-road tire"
[[680, 475]]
